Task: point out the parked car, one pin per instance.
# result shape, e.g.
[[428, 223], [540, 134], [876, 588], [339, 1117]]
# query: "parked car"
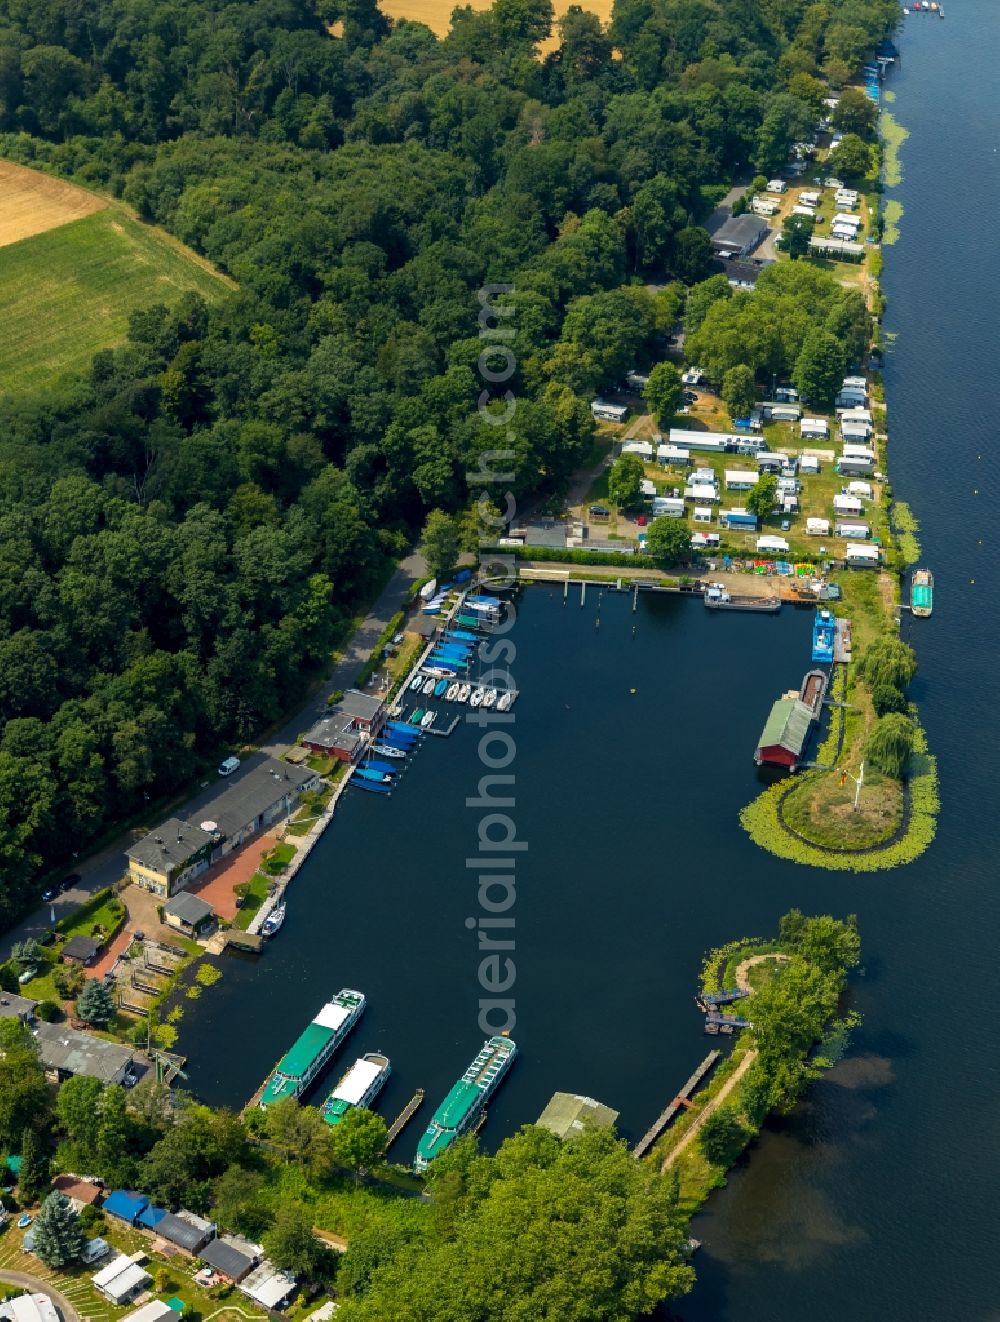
[[690, 397], [27, 976], [230, 765], [50, 893], [69, 882], [24, 1221], [641, 520], [785, 525]]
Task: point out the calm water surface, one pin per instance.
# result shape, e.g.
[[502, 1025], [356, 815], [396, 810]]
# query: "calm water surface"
[[876, 1201]]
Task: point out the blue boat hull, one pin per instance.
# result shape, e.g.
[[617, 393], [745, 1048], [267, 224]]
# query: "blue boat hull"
[[386, 768], [397, 727], [394, 740], [371, 786]]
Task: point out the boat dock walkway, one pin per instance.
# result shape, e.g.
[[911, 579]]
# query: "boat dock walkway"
[[434, 729], [681, 1100], [403, 1119]]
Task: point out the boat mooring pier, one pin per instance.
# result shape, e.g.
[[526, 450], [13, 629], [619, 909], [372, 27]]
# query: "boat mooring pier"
[[681, 1101], [403, 1119]]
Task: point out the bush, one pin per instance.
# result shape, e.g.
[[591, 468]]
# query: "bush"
[[48, 1011], [886, 698], [91, 1218]]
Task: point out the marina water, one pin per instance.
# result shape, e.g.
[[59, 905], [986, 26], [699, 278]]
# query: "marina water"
[[876, 1199]]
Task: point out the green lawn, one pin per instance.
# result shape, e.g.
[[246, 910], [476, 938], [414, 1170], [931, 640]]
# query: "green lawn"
[[67, 293], [256, 892]]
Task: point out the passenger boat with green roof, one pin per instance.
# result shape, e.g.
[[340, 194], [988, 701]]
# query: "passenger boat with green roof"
[[314, 1047], [462, 1107], [359, 1087]]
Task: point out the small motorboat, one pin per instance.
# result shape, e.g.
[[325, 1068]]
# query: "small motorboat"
[[376, 777], [476, 700], [428, 720], [416, 716], [503, 702], [272, 923], [452, 692], [439, 672], [428, 688], [416, 682], [388, 750], [490, 698], [441, 688], [463, 693]]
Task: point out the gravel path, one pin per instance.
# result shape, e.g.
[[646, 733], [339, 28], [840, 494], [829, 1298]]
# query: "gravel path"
[[717, 1101]]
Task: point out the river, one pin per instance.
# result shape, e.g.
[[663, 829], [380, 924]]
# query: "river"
[[875, 1200]]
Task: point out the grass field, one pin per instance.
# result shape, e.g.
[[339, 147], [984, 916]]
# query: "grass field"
[[437, 13], [67, 292]]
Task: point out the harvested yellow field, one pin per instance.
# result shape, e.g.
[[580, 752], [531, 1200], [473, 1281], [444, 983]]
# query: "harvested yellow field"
[[437, 13], [31, 203]]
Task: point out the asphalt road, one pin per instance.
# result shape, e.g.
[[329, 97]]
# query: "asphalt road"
[[105, 868], [38, 1286]]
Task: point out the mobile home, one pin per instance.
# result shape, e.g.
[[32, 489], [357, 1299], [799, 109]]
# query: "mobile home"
[[861, 531], [703, 492], [814, 428], [863, 490], [704, 541], [772, 545], [702, 477], [702, 514], [818, 527], [670, 506], [861, 556], [770, 463], [764, 206], [776, 186], [808, 463], [856, 463], [715, 441], [642, 448], [673, 454], [738, 519], [858, 432], [738, 479], [846, 504], [605, 412]]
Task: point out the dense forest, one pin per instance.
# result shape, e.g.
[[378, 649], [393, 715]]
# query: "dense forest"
[[182, 532]]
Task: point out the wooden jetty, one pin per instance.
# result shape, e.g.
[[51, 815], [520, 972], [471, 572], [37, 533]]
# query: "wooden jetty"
[[404, 1118], [249, 942], [682, 1100]]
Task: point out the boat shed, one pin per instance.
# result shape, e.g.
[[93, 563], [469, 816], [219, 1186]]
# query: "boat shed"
[[125, 1205], [568, 1114], [186, 1231], [230, 1258], [67, 1051], [783, 739], [188, 914], [739, 236]]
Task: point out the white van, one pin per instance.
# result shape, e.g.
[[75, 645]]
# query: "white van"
[[230, 765]]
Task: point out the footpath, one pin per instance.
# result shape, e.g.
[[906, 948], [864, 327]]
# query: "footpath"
[[106, 867]]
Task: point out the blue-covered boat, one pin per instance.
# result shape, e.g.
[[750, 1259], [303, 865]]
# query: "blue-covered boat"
[[440, 688], [373, 786], [462, 636], [824, 633], [385, 768], [378, 777], [402, 729]]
